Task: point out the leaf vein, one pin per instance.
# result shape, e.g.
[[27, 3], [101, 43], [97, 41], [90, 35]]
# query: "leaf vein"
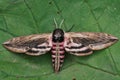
[[93, 67], [92, 12], [32, 14]]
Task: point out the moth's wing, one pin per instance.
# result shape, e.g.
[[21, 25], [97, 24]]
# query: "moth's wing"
[[31, 45], [84, 43]]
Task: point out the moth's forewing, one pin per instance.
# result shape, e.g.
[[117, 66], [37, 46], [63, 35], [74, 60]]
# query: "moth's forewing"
[[31, 45], [84, 43]]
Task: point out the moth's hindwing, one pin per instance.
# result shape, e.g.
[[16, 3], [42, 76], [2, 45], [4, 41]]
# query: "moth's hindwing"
[[31, 45], [84, 43]]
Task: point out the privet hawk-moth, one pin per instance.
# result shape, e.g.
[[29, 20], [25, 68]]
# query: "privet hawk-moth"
[[76, 43]]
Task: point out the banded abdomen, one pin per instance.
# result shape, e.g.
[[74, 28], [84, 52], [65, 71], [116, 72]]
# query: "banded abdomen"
[[57, 55]]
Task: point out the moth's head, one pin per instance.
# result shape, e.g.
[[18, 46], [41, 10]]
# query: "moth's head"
[[58, 35]]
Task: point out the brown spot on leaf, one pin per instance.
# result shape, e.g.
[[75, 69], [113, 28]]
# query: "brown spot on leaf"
[[58, 12], [74, 79], [50, 2]]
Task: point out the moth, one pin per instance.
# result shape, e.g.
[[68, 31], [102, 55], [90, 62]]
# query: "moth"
[[59, 42]]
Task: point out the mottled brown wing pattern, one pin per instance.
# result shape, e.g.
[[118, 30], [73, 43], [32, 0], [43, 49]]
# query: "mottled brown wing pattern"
[[84, 43], [31, 45]]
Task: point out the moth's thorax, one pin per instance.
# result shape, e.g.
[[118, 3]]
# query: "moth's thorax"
[[58, 35]]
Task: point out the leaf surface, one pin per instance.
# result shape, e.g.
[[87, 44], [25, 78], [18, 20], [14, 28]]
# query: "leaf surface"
[[25, 17]]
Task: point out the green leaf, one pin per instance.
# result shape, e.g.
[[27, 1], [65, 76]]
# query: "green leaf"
[[25, 17]]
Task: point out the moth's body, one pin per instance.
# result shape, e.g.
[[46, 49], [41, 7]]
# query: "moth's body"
[[57, 49], [79, 44]]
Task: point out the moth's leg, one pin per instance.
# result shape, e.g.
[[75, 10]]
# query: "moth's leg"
[[70, 28]]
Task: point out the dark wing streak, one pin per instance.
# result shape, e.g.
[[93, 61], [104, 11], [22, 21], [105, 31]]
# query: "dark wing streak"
[[38, 51], [83, 43], [31, 45], [79, 51]]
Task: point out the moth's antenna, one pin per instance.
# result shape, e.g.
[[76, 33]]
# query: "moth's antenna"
[[61, 23], [56, 25]]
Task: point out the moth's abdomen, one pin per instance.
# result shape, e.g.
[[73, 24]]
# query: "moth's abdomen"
[[57, 55]]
